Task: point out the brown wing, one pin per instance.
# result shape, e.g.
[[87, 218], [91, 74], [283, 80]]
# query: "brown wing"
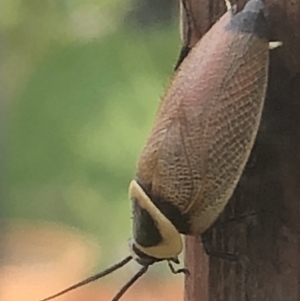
[[232, 127], [206, 124]]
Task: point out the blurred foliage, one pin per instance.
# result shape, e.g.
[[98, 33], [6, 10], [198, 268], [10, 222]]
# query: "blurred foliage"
[[33, 27], [148, 12], [82, 92]]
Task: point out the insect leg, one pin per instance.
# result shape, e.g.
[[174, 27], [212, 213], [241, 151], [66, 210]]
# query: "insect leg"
[[174, 271], [228, 5]]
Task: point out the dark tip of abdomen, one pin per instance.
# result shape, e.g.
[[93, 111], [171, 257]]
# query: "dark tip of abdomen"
[[252, 19]]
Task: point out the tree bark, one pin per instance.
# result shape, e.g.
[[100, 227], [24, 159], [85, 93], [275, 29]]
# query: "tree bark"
[[261, 223]]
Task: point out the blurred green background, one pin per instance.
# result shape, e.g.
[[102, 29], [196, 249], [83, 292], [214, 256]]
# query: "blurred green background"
[[81, 82]]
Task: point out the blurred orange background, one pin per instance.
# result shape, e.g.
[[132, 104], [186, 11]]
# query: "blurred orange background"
[[41, 260]]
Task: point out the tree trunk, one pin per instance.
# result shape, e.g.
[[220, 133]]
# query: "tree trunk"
[[261, 223]]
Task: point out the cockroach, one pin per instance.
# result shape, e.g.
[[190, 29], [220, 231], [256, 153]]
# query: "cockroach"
[[202, 137]]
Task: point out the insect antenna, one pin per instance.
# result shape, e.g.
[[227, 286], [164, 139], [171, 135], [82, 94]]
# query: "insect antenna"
[[123, 290], [92, 278]]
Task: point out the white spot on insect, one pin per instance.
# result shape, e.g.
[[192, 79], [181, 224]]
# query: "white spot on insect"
[[228, 5], [275, 44]]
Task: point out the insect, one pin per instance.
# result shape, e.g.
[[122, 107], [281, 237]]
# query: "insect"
[[202, 137]]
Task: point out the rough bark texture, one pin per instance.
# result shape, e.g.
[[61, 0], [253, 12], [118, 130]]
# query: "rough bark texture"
[[261, 223]]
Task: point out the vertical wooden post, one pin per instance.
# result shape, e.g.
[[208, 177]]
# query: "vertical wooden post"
[[196, 283], [262, 220]]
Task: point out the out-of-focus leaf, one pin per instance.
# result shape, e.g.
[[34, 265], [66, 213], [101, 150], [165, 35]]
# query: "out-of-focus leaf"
[[10, 11]]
